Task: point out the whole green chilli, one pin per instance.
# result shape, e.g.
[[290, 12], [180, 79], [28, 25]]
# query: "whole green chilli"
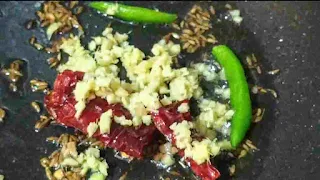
[[239, 93], [134, 14]]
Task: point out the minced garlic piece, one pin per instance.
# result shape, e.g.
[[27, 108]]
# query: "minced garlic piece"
[[183, 86], [105, 122], [199, 151], [80, 106], [79, 58], [183, 108], [213, 115], [97, 176], [165, 101], [214, 148], [122, 121], [92, 128], [91, 161], [83, 89], [136, 121], [146, 120], [182, 133], [167, 160], [92, 45]]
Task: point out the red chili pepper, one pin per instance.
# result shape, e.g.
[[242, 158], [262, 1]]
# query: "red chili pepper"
[[165, 117], [60, 103]]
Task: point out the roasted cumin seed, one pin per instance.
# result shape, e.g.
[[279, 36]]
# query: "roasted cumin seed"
[[72, 4], [258, 68], [58, 174], [193, 10], [37, 85], [258, 115], [54, 159], [30, 24], [35, 106], [232, 169], [32, 40], [2, 114], [52, 139], [44, 23], [250, 145], [210, 40], [273, 92], [38, 46], [13, 87], [49, 173], [212, 10], [186, 45], [187, 31], [53, 62], [273, 72], [242, 154], [44, 162], [43, 122], [181, 24], [79, 10]]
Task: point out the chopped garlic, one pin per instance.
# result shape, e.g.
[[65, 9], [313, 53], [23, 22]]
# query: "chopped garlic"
[[93, 152], [83, 89], [214, 148], [182, 133], [122, 121], [107, 31], [79, 58], [146, 120], [136, 121], [111, 98], [92, 128], [80, 106], [103, 166], [97, 176], [235, 14], [212, 115], [183, 108], [199, 151], [105, 122], [165, 101], [92, 45], [90, 160], [167, 160]]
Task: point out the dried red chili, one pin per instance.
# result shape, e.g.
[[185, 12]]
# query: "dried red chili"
[[61, 105], [165, 117]]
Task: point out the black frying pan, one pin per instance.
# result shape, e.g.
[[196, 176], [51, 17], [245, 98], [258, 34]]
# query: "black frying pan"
[[288, 136]]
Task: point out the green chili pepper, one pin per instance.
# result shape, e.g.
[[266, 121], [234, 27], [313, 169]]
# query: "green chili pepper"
[[239, 93], [132, 13]]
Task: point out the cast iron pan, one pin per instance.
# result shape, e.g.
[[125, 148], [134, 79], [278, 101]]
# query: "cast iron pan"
[[281, 34]]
